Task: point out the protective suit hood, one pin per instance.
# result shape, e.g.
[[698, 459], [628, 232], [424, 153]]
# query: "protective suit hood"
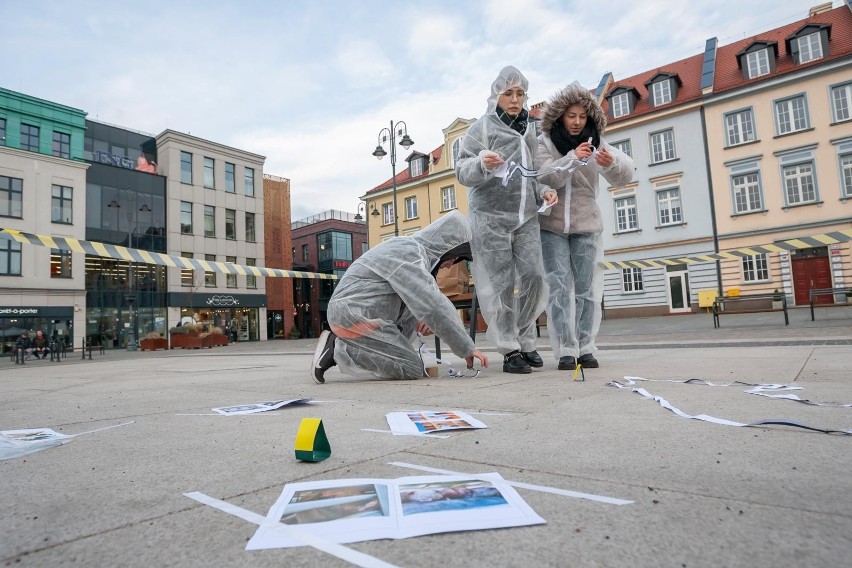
[[508, 78], [573, 94], [443, 235]]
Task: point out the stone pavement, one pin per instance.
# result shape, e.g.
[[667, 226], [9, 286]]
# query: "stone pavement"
[[703, 494]]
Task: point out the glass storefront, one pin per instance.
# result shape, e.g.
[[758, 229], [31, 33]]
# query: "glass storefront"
[[57, 323], [239, 324], [121, 293]]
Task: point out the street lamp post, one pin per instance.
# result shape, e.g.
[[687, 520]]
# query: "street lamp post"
[[390, 134]]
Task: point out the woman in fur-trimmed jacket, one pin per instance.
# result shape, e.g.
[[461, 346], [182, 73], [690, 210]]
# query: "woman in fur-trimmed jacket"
[[573, 154]]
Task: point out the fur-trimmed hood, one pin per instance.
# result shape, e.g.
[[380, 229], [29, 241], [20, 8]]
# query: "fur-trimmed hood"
[[570, 95]]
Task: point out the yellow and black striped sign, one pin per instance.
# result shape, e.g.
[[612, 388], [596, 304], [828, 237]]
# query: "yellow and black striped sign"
[[811, 241], [149, 257]]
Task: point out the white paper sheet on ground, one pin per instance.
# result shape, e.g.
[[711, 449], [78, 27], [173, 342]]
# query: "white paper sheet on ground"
[[17, 443], [431, 421], [707, 418], [356, 510], [258, 406]]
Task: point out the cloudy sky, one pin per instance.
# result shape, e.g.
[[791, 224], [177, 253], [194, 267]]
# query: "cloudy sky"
[[309, 84]]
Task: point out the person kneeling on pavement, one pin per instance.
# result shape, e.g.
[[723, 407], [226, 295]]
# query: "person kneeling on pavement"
[[384, 298]]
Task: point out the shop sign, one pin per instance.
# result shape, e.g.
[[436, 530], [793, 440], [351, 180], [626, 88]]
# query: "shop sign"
[[341, 264], [18, 311], [222, 300]]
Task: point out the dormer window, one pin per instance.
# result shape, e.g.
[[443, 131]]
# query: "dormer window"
[[622, 101], [758, 59], [417, 165], [758, 63], [662, 88], [809, 43], [620, 105], [810, 48]]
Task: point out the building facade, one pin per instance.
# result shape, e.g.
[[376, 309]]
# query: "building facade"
[[42, 191], [214, 213], [779, 136], [126, 206], [278, 243], [326, 243]]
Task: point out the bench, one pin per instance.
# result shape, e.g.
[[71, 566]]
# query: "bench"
[[753, 303], [815, 292]]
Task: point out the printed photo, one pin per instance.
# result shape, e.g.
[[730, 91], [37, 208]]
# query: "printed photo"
[[434, 497], [335, 503]]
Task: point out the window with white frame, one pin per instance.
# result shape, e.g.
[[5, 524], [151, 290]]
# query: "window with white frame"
[[747, 195], [448, 198], [416, 167], [662, 92], [631, 280], [739, 126], [791, 115], [662, 146], [846, 174], [387, 214], [810, 47], [10, 256], [758, 63], [841, 102], [624, 146], [668, 207], [799, 184], [410, 207], [626, 217], [456, 149], [620, 105], [755, 268]]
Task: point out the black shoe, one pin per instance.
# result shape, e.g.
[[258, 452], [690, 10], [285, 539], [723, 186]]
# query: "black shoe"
[[588, 361], [567, 363], [514, 362], [533, 358], [323, 356]]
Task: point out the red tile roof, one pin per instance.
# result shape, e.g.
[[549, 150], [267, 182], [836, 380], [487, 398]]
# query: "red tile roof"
[[687, 70], [404, 176], [730, 76]]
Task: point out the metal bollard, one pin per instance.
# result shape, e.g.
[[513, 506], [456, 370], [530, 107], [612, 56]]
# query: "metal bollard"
[[20, 356], [83, 349], [90, 350]]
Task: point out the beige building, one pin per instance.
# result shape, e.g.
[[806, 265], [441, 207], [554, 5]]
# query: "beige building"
[[779, 140], [426, 188], [214, 214]]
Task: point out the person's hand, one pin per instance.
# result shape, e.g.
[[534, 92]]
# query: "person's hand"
[[490, 159], [583, 151], [550, 197], [422, 328], [604, 158], [479, 355]]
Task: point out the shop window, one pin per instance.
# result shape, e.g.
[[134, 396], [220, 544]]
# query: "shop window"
[[60, 263]]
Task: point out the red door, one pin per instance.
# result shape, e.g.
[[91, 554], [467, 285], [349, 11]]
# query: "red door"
[[809, 273]]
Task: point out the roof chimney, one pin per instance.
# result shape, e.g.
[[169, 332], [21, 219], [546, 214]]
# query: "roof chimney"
[[819, 9]]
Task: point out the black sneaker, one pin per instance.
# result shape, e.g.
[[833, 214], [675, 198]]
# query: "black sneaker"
[[533, 358], [514, 362], [588, 361], [323, 356], [567, 363]]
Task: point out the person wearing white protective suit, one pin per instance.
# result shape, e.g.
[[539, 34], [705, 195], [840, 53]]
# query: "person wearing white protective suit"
[[573, 154], [385, 298], [503, 201]]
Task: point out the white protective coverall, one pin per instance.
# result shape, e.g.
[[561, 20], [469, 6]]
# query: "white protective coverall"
[[505, 239], [382, 296], [571, 235]]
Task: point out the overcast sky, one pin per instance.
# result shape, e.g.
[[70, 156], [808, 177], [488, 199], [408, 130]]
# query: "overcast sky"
[[309, 84]]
